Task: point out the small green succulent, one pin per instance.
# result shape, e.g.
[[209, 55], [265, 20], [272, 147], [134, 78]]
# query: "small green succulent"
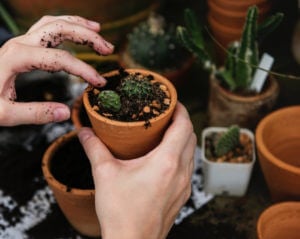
[[136, 85], [110, 100], [154, 44], [228, 141]]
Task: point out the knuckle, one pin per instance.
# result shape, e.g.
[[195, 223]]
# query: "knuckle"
[[42, 115], [46, 18], [170, 164], [10, 48]]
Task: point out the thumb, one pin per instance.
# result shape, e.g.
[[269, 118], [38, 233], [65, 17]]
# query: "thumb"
[[95, 150]]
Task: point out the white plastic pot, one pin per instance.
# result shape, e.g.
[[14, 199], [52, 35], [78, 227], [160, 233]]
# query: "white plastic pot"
[[224, 178]]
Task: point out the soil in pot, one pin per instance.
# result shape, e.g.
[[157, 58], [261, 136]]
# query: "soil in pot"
[[71, 167], [133, 108]]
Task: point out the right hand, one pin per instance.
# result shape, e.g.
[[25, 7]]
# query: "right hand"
[[141, 198]]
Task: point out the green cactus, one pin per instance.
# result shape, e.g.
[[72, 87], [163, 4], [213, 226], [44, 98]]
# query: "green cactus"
[[110, 100], [228, 141], [153, 44], [133, 85], [242, 56]]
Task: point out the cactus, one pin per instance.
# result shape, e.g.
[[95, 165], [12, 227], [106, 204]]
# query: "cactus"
[[134, 85], [228, 141], [242, 56], [153, 44], [109, 100]]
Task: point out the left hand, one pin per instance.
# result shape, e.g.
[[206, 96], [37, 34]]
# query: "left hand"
[[35, 50]]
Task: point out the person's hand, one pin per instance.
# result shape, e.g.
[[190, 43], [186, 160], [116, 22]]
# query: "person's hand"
[[141, 198], [35, 50]]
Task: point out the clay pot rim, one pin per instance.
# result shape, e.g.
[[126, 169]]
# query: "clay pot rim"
[[75, 112], [274, 87], [222, 29], [220, 129], [165, 81], [280, 207], [50, 151], [260, 142], [256, 2], [262, 8]]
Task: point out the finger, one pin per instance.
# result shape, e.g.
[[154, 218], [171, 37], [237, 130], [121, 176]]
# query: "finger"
[[15, 113], [95, 150], [95, 26], [54, 33], [178, 133], [51, 60]]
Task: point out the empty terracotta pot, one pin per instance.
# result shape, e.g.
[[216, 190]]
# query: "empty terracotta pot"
[[280, 221], [127, 140], [78, 205], [278, 146]]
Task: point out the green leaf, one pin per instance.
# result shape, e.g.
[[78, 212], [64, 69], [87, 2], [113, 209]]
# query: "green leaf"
[[269, 25]]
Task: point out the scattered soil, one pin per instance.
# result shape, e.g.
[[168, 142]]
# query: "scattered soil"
[[71, 166], [241, 154], [133, 108]]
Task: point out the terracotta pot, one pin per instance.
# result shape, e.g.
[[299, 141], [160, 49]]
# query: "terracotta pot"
[[128, 140], [176, 75], [280, 221], [223, 35], [224, 178], [233, 13], [78, 205], [79, 116], [115, 15], [226, 19], [226, 108], [235, 5], [278, 146]]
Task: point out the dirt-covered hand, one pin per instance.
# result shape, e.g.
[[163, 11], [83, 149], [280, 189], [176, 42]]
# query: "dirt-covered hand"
[[36, 50]]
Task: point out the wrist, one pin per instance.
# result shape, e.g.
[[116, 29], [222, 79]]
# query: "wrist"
[[130, 232]]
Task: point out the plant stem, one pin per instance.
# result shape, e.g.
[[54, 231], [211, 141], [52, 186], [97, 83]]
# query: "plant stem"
[[9, 21]]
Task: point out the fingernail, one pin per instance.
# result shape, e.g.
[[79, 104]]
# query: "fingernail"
[[93, 24], [101, 81], [61, 114], [108, 45]]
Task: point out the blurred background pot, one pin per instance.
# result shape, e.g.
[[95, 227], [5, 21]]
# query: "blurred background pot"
[[115, 16], [226, 108], [280, 221], [76, 202], [153, 45], [226, 19], [79, 116], [278, 146]]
